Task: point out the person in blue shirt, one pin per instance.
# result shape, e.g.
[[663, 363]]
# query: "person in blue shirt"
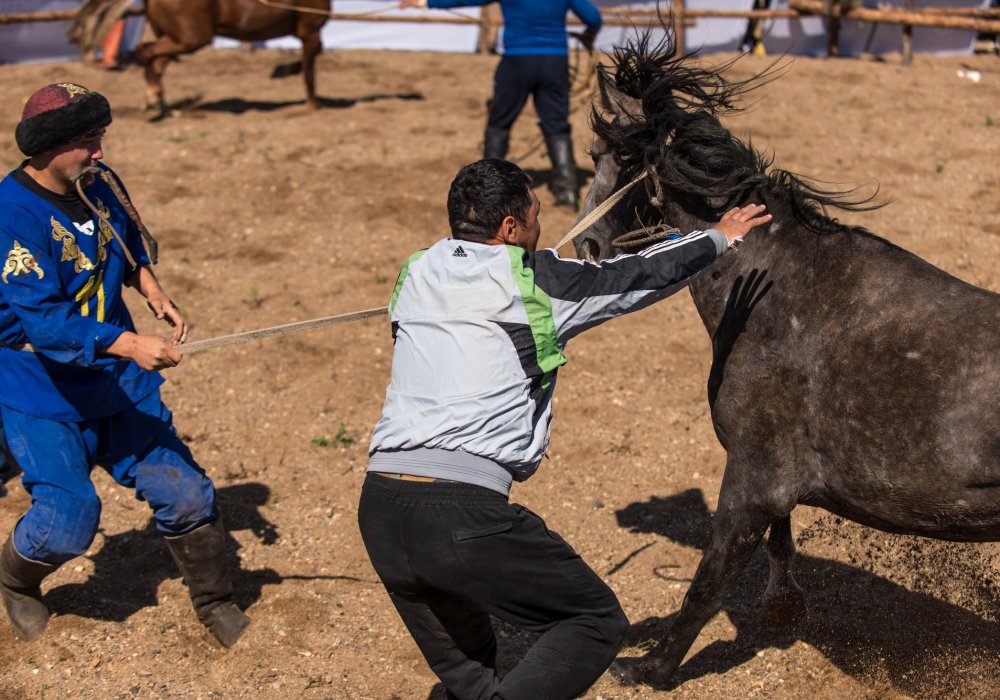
[[78, 385], [535, 62]]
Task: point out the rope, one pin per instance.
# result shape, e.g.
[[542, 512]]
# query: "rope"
[[599, 211], [247, 336], [634, 241], [371, 13]]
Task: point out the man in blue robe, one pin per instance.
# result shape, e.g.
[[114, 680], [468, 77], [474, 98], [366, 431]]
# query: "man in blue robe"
[[78, 385]]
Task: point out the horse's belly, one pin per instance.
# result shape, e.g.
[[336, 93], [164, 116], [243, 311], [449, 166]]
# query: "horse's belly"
[[969, 513]]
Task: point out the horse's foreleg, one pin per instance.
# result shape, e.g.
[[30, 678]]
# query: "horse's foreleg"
[[311, 47], [737, 529], [784, 603]]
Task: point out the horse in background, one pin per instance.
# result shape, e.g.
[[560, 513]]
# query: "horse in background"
[[847, 373], [184, 26]]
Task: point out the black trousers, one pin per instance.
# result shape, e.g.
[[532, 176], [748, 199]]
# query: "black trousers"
[[545, 78], [450, 555]]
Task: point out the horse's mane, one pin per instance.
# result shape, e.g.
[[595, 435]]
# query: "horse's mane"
[[679, 136]]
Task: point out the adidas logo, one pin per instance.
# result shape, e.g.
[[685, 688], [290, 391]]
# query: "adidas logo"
[[459, 253]]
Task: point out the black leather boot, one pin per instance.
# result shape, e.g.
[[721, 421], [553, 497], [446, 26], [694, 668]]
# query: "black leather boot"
[[201, 557], [20, 580], [496, 142], [564, 184]]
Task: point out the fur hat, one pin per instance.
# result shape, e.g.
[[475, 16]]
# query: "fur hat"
[[58, 114]]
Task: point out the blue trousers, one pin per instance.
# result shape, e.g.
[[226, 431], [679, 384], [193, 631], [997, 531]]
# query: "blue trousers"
[[138, 447], [545, 79]]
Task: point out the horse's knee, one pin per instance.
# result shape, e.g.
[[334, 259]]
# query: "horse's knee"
[[58, 527]]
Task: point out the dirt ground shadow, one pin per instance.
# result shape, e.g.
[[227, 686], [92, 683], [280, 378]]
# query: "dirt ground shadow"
[[109, 595], [868, 626]]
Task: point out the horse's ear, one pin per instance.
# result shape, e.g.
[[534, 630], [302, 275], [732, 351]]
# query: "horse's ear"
[[607, 89], [614, 100]]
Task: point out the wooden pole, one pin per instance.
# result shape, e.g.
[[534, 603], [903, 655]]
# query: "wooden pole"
[[908, 38], [832, 12], [489, 21], [899, 16], [679, 11], [983, 20], [54, 16]]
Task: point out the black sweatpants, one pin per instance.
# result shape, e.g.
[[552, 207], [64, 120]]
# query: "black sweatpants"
[[450, 555], [545, 78]]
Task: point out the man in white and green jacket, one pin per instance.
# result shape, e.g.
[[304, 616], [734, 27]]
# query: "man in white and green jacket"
[[480, 322]]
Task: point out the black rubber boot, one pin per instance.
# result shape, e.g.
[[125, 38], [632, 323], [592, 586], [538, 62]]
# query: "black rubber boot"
[[201, 557], [563, 184], [496, 142], [20, 581]]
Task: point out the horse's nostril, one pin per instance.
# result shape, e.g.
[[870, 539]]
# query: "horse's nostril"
[[593, 250]]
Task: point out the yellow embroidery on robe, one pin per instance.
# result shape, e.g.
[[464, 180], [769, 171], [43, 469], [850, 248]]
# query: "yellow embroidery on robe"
[[94, 285], [20, 261], [104, 234], [70, 250]]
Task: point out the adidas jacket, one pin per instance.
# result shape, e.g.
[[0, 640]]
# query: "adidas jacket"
[[479, 332]]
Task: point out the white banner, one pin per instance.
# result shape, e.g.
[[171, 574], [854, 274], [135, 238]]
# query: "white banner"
[[43, 42]]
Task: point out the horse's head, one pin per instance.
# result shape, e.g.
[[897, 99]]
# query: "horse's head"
[[658, 115], [612, 171]]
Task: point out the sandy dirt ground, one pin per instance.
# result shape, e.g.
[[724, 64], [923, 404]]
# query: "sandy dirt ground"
[[269, 213]]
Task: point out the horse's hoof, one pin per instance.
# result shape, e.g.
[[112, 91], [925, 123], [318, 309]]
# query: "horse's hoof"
[[626, 671], [784, 609], [645, 670], [660, 675]]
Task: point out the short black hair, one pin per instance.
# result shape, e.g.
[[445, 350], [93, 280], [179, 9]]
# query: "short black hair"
[[483, 194]]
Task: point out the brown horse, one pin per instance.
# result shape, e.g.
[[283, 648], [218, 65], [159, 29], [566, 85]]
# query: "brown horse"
[[184, 26], [847, 373]]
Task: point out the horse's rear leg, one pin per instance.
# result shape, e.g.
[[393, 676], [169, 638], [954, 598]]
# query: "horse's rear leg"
[[154, 57], [737, 529], [784, 603], [311, 47], [154, 99]]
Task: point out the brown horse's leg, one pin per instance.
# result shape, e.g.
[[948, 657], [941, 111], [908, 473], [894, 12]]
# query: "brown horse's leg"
[[154, 57], [311, 46], [154, 85], [737, 529], [784, 603]]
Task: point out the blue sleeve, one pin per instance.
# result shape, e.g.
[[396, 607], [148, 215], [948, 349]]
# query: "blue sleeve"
[[32, 289], [587, 13]]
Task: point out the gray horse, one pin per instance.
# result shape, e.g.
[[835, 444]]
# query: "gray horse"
[[847, 373]]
